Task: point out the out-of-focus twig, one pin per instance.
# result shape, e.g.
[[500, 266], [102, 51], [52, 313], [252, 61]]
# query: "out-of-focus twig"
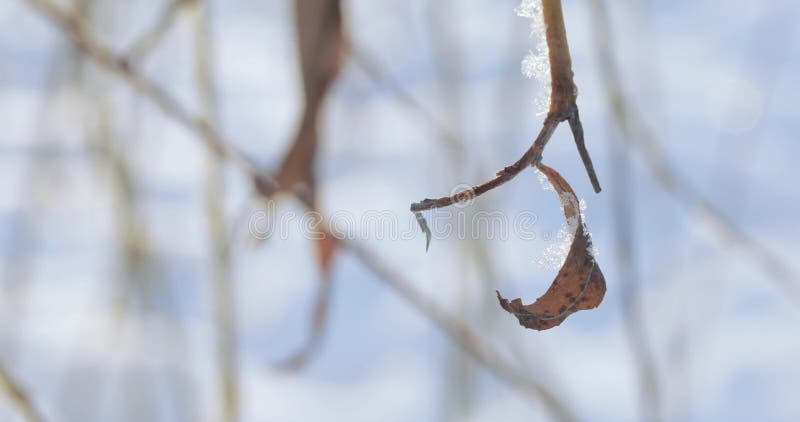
[[371, 67], [623, 204], [152, 37], [462, 335], [18, 396], [450, 325], [785, 277], [80, 34], [461, 375], [224, 293]]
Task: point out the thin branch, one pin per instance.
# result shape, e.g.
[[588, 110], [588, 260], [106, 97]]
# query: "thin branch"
[[635, 322], [563, 107], [531, 157], [18, 396], [564, 91], [450, 325], [577, 133], [226, 344], [371, 66], [122, 67], [623, 209]]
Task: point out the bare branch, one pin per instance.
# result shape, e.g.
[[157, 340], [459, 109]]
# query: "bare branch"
[[370, 65], [577, 133], [531, 157]]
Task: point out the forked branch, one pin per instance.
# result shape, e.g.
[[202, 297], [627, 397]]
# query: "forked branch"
[[563, 107]]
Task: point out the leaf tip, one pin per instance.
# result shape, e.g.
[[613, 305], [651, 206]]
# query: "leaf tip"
[[423, 225]]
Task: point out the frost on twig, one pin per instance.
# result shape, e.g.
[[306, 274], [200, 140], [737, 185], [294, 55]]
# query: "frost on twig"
[[536, 65]]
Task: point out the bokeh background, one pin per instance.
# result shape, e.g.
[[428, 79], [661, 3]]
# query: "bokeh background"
[[116, 303]]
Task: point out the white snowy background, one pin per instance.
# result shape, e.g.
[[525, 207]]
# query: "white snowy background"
[[717, 80]]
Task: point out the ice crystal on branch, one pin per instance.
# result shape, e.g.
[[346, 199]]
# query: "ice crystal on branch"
[[537, 63]]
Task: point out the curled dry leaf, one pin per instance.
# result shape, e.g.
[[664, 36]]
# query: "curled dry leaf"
[[579, 284]]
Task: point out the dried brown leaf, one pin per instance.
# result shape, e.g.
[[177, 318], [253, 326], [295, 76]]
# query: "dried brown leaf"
[[321, 48], [321, 45], [579, 284]]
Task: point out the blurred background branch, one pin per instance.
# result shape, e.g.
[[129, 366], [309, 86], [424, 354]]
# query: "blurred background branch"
[[624, 206], [18, 396], [227, 350]]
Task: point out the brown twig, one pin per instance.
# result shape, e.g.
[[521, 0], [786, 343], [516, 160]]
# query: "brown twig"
[[577, 133], [563, 107], [450, 325], [564, 91], [531, 157]]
